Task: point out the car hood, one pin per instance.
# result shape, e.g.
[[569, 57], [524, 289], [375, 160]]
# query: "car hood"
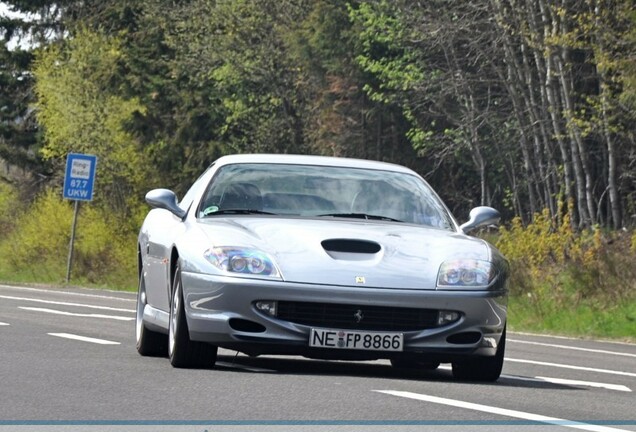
[[347, 252]]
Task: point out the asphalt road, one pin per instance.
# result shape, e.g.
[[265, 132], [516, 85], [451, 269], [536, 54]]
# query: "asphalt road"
[[68, 362]]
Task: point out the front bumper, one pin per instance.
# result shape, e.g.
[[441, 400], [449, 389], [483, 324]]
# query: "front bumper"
[[215, 304]]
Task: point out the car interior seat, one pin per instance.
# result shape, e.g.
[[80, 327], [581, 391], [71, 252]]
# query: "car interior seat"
[[241, 196]]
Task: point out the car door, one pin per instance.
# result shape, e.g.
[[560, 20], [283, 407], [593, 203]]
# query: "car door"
[[161, 230]]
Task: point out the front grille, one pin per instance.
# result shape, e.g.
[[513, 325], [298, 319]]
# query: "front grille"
[[342, 316]]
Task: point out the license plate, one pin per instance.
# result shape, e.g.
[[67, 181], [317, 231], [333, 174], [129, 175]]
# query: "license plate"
[[357, 340]]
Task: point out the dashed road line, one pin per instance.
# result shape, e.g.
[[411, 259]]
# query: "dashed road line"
[[35, 300], [616, 353], [564, 366], [616, 387], [51, 291], [502, 411], [571, 338], [562, 381], [58, 312], [4, 324], [84, 339]]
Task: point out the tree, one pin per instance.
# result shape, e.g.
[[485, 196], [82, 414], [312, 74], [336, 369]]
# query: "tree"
[[530, 91], [435, 61], [80, 112], [28, 25], [520, 104], [18, 128]]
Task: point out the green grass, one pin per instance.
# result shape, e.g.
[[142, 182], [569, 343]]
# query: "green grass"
[[54, 275], [585, 319]]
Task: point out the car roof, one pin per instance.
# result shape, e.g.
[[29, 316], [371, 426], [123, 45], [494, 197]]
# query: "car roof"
[[293, 159]]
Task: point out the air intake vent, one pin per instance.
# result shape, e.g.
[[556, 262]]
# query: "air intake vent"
[[465, 338], [358, 317], [246, 326], [351, 246]]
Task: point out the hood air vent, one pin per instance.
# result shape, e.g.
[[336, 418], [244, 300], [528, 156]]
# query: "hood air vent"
[[351, 246]]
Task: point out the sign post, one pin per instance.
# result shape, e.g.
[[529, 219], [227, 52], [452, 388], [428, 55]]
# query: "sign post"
[[78, 185]]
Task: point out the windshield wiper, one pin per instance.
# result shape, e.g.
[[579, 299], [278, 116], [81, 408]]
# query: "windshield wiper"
[[238, 212], [361, 216]]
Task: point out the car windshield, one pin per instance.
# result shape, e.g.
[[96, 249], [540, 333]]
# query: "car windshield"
[[323, 191]]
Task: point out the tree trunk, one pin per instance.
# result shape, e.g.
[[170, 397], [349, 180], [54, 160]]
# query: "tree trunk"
[[615, 204], [579, 150]]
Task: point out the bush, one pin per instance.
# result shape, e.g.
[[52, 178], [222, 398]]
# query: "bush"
[[539, 252], [9, 203], [37, 246], [557, 271]]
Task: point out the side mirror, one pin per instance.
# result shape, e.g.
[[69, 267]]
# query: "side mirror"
[[167, 200], [479, 217]]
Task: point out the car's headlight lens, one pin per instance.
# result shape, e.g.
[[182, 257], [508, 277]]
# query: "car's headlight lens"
[[465, 274], [244, 261]]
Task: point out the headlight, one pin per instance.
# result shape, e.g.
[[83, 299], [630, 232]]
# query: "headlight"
[[244, 261], [465, 274]]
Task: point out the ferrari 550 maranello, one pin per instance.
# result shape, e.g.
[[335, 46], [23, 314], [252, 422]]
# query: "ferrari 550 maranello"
[[328, 258]]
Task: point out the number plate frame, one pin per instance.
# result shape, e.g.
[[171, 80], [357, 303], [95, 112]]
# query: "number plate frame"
[[356, 340]]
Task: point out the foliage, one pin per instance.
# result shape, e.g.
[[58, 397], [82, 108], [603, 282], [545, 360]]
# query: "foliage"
[[82, 112], [553, 264], [236, 82], [38, 245], [517, 105], [18, 128], [8, 207], [338, 116], [570, 282], [31, 24]]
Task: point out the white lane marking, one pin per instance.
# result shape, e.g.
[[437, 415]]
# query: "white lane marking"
[[55, 291], [564, 366], [247, 368], [603, 341], [501, 411], [562, 381], [84, 338], [616, 387], [616, 353], [57, 312], [4, 324], [67, 304]]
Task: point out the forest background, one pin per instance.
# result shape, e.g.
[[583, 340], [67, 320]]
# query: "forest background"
[[528, 106]]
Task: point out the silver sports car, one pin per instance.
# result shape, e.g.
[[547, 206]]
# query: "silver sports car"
[[327, 258]]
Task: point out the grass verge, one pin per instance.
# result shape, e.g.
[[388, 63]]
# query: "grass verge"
[[582, 320]]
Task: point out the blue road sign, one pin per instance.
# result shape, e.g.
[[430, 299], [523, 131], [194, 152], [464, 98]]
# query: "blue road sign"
[[80, 176]]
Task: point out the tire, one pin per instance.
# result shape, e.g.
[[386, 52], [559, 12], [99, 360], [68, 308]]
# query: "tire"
[[183, 352], [485, 369], [411, 363], [149, 343]]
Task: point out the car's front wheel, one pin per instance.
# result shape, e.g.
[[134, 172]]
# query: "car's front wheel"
[[183, 352], [482, 368], [149, 343]]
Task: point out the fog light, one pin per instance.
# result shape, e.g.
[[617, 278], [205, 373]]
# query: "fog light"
[[447, 317], [268, 307]]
